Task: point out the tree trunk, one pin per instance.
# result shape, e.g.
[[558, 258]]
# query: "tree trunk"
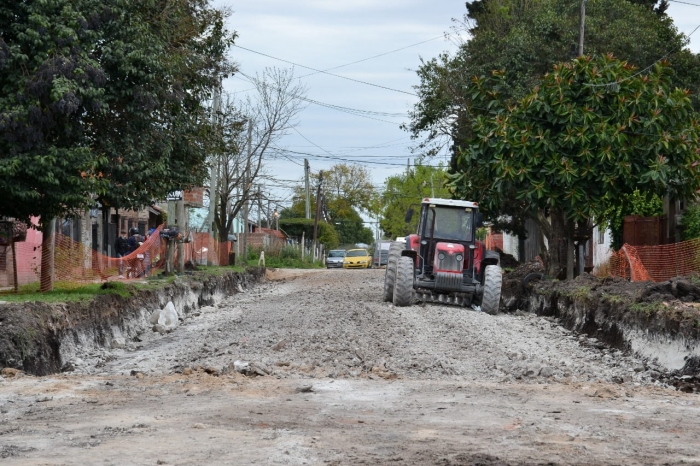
[[557, 244], [570, 250], [47, 255]]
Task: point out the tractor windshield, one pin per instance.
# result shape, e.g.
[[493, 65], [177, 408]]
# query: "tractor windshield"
[[450, 223]]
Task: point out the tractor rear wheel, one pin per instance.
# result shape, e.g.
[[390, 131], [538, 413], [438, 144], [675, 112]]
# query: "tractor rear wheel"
[[491, 300], [390, 272], [403, 288]]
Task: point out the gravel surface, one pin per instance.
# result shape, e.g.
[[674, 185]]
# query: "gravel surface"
[[344, 378], [334, 324]]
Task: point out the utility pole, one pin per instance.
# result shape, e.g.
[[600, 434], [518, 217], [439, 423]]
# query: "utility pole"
[[182, 227], [581, 248], [308, 192], [259, 208], [214, 173], [580, 31], [246, 191], [318, 206]]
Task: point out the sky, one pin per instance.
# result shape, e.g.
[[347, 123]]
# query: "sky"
[[323, 34]]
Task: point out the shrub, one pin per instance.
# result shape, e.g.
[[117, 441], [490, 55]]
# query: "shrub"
[[691, 222]]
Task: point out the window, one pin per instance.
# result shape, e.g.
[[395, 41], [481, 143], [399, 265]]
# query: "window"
[[451, 223], [601, 236]]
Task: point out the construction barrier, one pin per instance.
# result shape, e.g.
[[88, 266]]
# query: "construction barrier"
[[76, 263], [656, 263]]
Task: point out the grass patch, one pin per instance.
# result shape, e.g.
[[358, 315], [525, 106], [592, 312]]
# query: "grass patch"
[[613, 298], [582, 292], [72, 292], [219, 270], [65, 292], [291, 263], [651, 308]]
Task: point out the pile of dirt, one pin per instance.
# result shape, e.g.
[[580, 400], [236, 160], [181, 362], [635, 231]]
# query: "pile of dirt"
[[517, 285], [680, 288], [508, 261]]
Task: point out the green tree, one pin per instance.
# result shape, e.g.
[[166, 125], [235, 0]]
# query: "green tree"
[[296, 226], [591, 134], [641, 203], [349, 186], [347, 193], [51, 84], [526, 39], [162, 59], [408, 189], [103, 102]]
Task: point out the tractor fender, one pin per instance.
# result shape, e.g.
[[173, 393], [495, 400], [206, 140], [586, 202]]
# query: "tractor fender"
[[491, 258], [412, 254]]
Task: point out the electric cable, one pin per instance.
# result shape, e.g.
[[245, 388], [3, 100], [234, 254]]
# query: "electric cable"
[[351, 111], [617, 83], [325, 72], [373, 56]]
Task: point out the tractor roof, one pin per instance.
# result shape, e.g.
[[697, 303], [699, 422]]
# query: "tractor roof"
[[450, 202]]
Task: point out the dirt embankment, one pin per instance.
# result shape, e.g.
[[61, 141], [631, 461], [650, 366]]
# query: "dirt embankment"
[[38, 337], [660, 321], [349, 379]]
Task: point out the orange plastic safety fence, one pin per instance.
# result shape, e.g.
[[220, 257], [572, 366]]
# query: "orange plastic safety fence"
[[77, 263], [657, 263], [493, 241]]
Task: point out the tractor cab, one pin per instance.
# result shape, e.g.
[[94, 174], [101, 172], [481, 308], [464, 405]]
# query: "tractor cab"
[[444, 261], [446, 236]]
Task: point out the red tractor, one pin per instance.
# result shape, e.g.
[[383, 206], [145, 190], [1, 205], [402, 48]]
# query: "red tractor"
[[444, 262]]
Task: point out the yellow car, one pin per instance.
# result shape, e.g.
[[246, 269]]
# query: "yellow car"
[[357, 259]]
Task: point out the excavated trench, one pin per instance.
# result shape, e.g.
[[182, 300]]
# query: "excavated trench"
[[39, 338], [657, 321], [660, 322]]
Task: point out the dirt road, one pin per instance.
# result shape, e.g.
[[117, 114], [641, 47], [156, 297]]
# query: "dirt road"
[[351, 380]]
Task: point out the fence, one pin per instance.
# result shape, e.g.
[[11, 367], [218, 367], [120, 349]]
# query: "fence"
[[657, 263], [76, 263]]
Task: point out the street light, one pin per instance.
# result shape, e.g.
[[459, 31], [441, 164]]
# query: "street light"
[[277, 219]]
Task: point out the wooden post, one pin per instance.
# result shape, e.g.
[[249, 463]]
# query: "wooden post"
[[14, 264]]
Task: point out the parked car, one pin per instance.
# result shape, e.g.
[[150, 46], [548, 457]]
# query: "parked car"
[[335, 258], [381, 253], [357, 259]]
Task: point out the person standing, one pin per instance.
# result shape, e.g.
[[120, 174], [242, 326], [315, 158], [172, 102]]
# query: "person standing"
[[121, 247]]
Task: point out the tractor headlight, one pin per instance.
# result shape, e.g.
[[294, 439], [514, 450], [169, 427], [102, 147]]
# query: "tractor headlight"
[[459, 258], [441, 256]]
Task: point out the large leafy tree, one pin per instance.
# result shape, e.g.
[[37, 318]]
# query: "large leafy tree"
[[50, 85], [406, 190], [525, 39], [103, 101], [594, 131], [163, 59]]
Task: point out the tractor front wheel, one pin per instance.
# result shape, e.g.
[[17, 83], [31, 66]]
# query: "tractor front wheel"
[[390, 272], [403, 289], [491, 300]]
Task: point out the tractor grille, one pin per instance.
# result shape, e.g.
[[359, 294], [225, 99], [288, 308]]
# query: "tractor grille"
[[448, 281], [450, 262]]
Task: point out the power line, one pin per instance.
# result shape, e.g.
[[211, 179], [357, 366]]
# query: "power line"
[[344, 159], [685, 3], [351, 111], [251, 80], [617, 83], [373, 56], [325, 72]]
